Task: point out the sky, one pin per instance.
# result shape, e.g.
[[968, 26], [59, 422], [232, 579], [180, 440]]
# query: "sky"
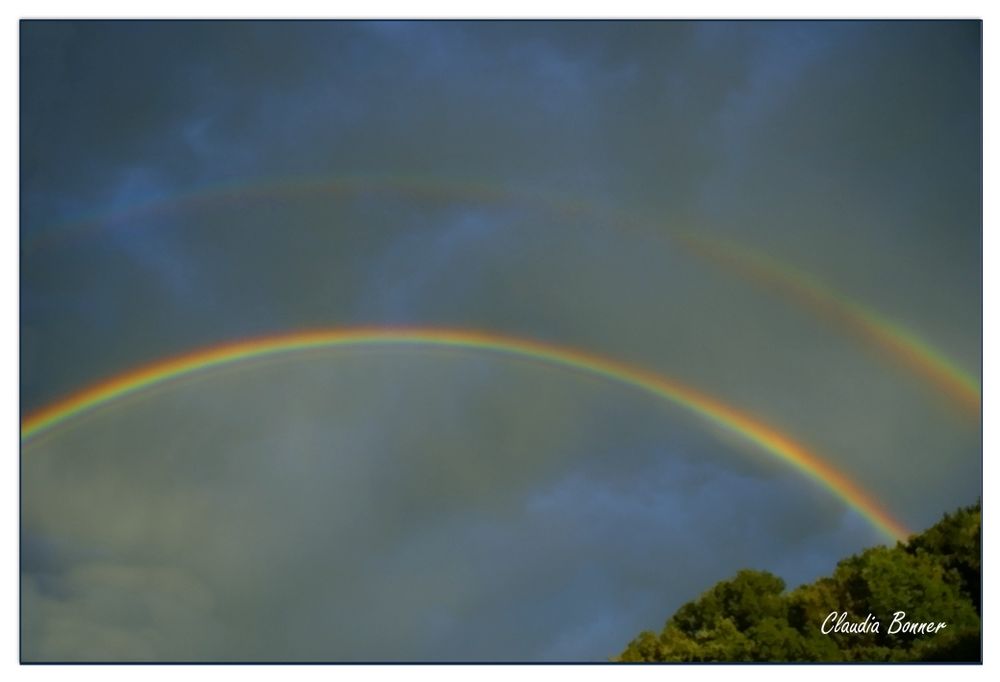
[[190, 184]]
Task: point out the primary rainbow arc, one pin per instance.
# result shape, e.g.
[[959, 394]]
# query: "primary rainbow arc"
[[768, 438]]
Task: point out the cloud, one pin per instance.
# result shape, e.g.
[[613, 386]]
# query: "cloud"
[[291, 510]]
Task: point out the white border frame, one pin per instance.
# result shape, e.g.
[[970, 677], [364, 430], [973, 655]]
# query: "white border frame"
[[533, 9]]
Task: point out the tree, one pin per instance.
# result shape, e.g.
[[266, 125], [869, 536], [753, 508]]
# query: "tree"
[[935, 577]]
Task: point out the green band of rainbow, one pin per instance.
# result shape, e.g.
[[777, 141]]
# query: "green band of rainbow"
[[766, 437]]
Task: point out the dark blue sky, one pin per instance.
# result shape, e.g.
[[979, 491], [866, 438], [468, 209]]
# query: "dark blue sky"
[[415, 505]]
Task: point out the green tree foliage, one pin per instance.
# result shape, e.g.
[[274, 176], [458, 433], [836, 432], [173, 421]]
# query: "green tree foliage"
[[934, 577]]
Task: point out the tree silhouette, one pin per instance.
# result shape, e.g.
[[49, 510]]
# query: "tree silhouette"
[[934, 577]]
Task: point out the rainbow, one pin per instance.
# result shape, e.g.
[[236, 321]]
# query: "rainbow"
[[892, 340], [757, 432], [418, 189], [901, 345]]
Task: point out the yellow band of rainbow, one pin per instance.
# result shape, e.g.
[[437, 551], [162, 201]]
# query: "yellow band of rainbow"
[[764, 436]]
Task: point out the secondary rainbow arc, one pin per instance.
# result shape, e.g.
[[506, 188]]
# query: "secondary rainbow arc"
[[872, 328], [763, 435], [894, 341]]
